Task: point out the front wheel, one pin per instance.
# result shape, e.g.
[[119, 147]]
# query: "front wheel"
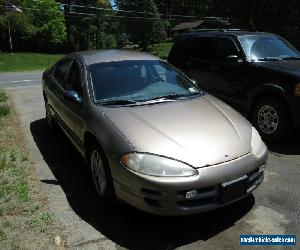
[[101, 174], [271, 118]]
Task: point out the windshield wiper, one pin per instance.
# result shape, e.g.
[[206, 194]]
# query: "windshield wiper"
[[269, 59], [117, 102], [291, 58], [173, 96]]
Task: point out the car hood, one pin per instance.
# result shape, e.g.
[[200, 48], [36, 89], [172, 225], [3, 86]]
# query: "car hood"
[[291, 67], [201, 132]]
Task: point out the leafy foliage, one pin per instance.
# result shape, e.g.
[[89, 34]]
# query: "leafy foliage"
[[44, 27], [144, 31], [275, 16], [39, 26]]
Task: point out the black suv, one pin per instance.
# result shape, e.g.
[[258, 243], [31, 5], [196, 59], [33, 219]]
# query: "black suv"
[[257, 73]]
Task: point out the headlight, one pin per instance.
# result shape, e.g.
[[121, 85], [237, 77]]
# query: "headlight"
[[156, 165], [297, 90], [256, 143]]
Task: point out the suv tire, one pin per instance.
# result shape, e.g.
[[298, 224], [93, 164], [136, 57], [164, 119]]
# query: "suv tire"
[[270, 117]]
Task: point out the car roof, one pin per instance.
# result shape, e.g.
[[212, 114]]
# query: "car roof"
[[100, 56], [233, 32]]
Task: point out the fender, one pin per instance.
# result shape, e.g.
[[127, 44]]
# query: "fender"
[[264, 90]]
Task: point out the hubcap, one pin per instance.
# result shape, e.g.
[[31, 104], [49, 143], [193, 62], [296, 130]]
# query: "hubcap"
[[98, 173], [268, 119]]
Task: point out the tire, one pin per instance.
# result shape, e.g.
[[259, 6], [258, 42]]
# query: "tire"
[[101, 174], [271, 118], [49, 117]]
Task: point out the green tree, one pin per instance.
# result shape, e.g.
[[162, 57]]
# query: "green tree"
[[92, 28], [40, 25], [48, 20], [21, 27], [146, 29]]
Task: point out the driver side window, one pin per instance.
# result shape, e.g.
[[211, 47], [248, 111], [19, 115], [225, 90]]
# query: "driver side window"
[[61, 71], [74, 79], [225, 47]]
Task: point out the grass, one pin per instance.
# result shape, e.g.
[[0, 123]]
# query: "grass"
[[24, 217], [26, 61], [36, 61], [160, 50], [4, 109]]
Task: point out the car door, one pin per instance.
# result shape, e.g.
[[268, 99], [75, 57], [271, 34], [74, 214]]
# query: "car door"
[[227, 72], [198, 64], [55, 86], [74, 110]]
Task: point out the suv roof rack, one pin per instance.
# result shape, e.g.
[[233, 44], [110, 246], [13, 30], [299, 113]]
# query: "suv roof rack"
[[220, 30]]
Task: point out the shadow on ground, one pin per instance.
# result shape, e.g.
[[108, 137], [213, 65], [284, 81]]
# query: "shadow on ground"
[[291, 146], [122, 224]]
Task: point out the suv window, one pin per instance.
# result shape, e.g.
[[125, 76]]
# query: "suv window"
[[201, 48], [74, 79], [225, 47], [178, 53], [61, 70]]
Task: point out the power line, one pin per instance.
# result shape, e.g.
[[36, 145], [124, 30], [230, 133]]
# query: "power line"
[[172, 5], [126, 11], [105, 15], [26, 8], [71, 14], [127, 17]]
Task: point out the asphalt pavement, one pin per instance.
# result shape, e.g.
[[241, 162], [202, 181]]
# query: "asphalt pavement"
[[274, 208], [12, 80]]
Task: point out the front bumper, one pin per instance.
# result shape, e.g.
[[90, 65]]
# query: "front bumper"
[[168, 196]]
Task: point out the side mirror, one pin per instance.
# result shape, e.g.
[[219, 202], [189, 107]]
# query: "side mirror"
[[234, 60], [73, 96]]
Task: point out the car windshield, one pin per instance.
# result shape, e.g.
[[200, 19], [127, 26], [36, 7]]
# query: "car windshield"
[[268, 48], [128, 82]]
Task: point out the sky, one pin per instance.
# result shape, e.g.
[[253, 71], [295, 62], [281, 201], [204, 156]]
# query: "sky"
[[112, 2]]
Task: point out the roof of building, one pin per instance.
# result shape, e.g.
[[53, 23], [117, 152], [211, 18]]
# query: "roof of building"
[[207, 21]]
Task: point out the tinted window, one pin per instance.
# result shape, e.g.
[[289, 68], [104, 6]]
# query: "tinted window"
[[74, 80], [179, 53], [201, 48], [224, 48], [61, 70], [137, 80]]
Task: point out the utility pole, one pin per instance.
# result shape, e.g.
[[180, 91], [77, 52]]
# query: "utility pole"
[[12, 8], [9, 33]]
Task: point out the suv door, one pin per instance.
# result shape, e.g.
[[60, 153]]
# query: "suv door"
[[74, 110], [228, 77], [199, 62]]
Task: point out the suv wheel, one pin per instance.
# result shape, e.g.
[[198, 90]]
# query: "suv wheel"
[[101, 174], [271, 118]]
